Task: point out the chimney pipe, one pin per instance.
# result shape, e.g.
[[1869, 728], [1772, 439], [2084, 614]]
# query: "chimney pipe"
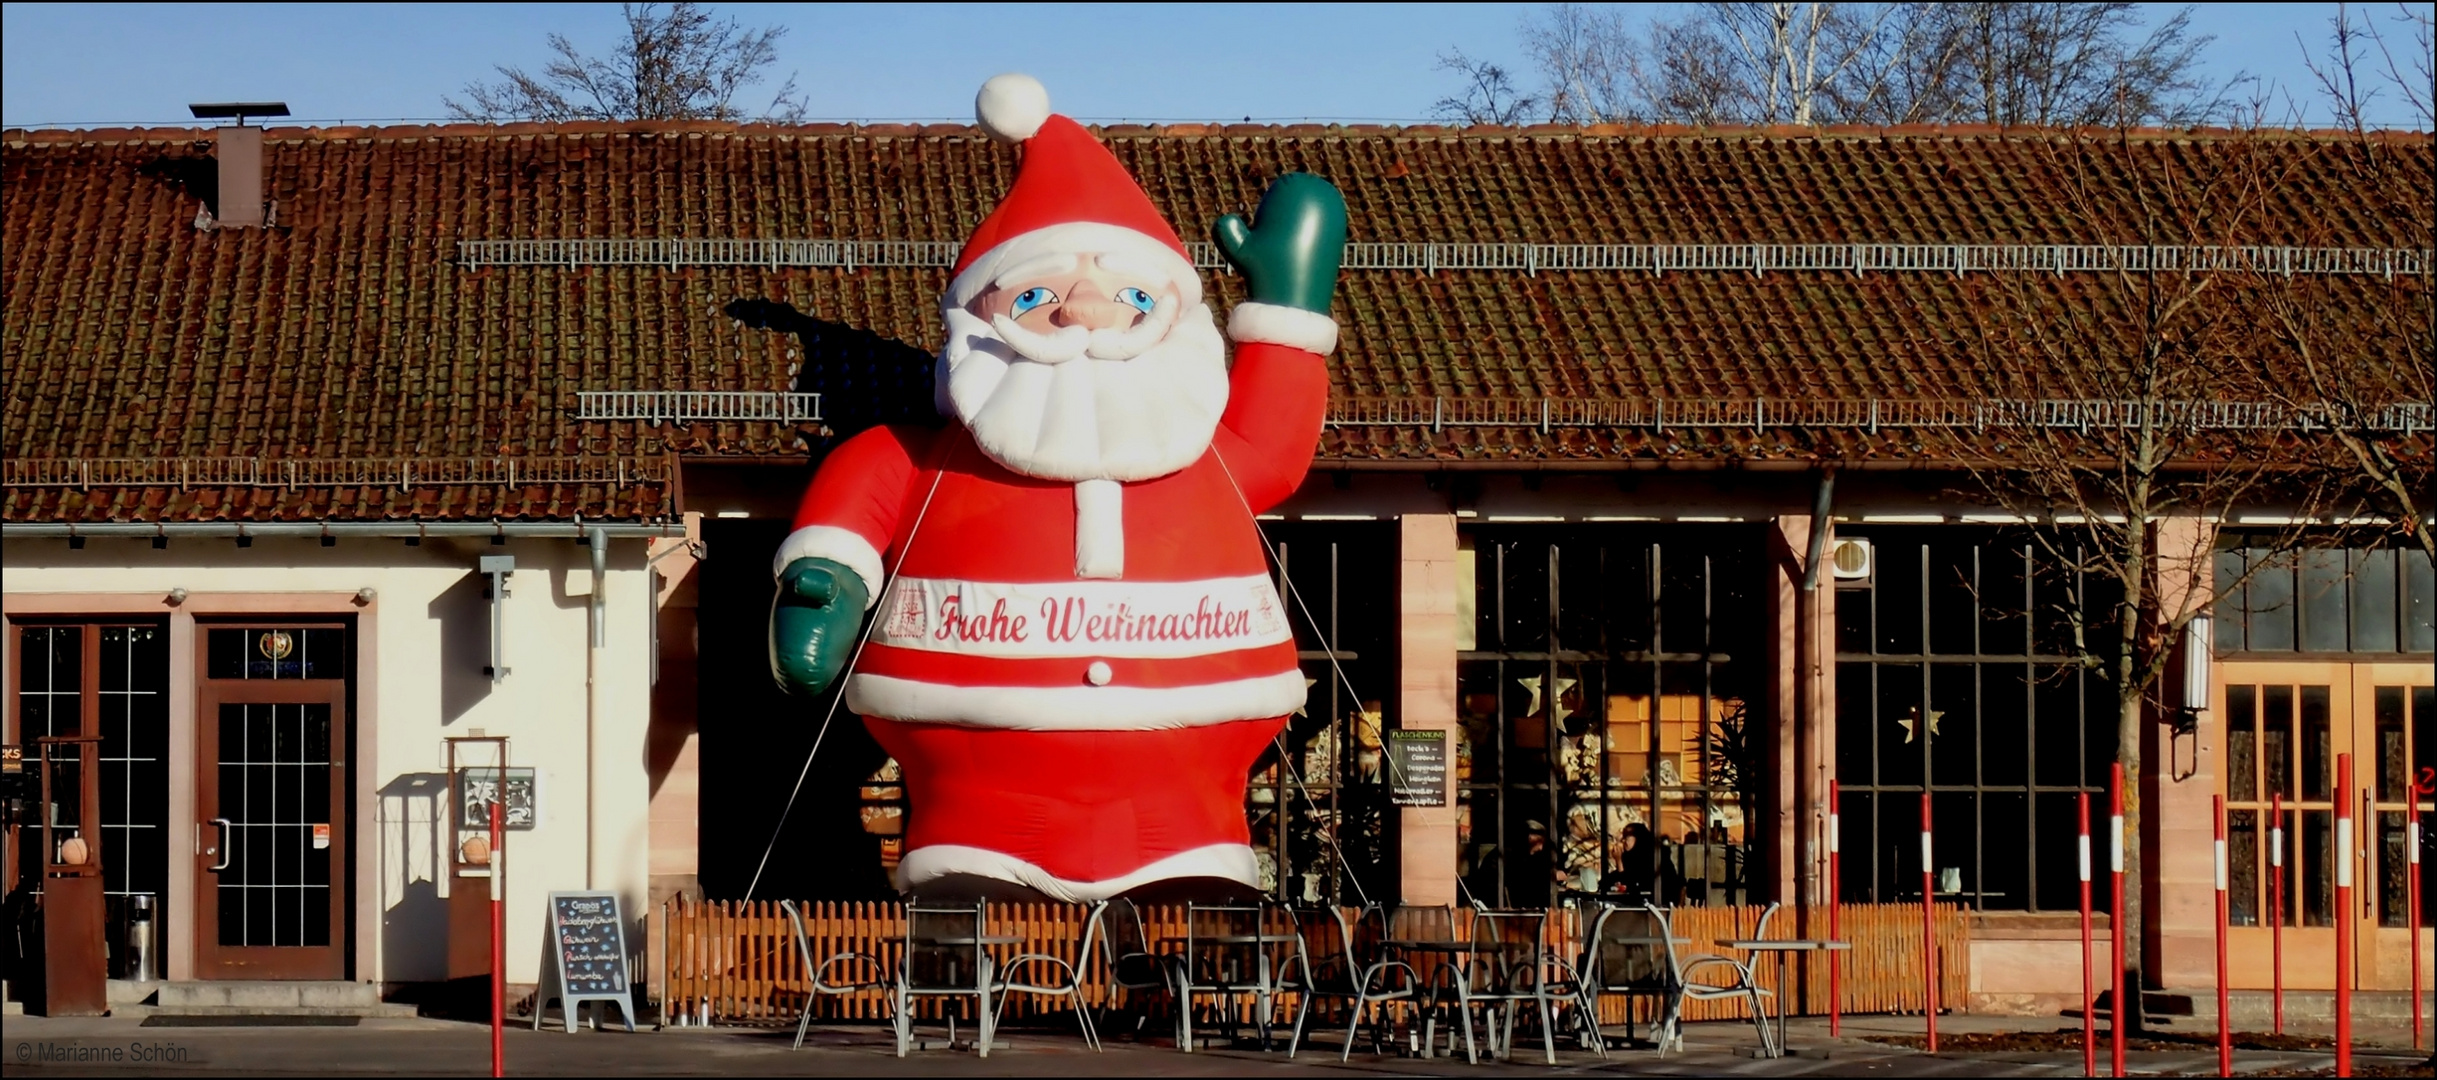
[[240, 154], [240, 158]]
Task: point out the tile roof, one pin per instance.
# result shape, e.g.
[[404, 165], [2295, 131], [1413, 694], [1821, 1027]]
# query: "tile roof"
[[350, 331]]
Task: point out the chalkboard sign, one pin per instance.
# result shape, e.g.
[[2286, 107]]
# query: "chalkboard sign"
[[479, 789], [587, 944], [1417, 768]]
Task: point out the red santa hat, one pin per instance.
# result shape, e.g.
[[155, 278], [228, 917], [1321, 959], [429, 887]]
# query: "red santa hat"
[[1070, 196]]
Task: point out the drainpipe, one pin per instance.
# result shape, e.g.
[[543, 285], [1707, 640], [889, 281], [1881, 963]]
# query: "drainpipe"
[[1812, 761], [598, 541]]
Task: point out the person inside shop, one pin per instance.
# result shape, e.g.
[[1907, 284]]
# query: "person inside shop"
[[1636, 866], [1535, 867]]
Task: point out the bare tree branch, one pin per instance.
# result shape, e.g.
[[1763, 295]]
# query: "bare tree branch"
[[1489, 95], [676, 63]]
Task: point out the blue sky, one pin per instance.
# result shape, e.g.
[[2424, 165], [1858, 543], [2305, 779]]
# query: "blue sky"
[[89, 64]]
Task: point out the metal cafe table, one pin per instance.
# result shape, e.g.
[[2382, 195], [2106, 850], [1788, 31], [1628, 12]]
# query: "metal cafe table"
[[1228, 986], [1778, 948]]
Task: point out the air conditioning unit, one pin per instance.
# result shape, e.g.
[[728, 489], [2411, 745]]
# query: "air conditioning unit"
[[1850, 560]]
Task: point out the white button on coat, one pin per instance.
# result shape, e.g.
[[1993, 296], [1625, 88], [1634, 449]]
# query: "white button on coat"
[[1099, 673]]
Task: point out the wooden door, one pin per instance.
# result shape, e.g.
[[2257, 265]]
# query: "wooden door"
[[271, 794], [2285, 725]]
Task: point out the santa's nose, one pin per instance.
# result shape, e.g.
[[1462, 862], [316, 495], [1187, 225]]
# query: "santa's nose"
[[1086, 306]]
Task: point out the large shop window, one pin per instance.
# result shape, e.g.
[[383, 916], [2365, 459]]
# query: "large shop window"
[[1955, 676], [1320, 814], [110, 680], [2323, 600], [1609, 683]]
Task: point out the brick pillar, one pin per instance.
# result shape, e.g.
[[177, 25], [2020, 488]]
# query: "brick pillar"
[[1426, 696], [2178, 835]]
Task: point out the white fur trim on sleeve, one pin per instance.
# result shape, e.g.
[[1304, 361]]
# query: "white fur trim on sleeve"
[[1234, 862], [839, 545], [1276, 324], [1012, 107]]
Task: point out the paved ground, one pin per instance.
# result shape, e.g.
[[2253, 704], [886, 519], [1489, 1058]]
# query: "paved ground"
[[37, 1046]]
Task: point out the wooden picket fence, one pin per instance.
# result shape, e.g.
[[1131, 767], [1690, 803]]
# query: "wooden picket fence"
[[736, 961]]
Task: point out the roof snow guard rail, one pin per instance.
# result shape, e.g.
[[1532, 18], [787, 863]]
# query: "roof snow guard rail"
[[405, 474], [688, 406], [1528, 258], [1870, 414]]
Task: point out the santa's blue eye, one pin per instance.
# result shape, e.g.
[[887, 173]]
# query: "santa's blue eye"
[[1141, 300], [1033, 298]]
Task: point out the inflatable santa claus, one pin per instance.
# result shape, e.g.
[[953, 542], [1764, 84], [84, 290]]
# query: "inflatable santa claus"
[[1075, 651]]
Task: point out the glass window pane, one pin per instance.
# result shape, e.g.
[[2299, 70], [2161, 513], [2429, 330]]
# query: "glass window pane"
[[2053, 591], [2229, 618], [1897, 721], [2004, 840], [1856, 724], [1683, 599], [2276, 740], [2326, 616], [2242, 867], [2271, 607], [2005, 735], [224, 653], [2241, 743], [1954, 616], [2056, 881], [1627, 581], [1897, 588], [2057, 725], [2394, 873], [67, 649], [1952, 731], [2317, 754], [1852, 619], [325, 651], [2100, 720], [2419, 604], [2392, 767], [2004, 626], [2374, 619], [1858, 847], [1524, 609], [2317, 876]]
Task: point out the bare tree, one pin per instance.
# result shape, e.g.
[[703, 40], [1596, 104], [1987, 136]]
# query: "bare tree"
[[1489, 95], [2130, 497], [2009, 63], [675, 63], [2358, 354]]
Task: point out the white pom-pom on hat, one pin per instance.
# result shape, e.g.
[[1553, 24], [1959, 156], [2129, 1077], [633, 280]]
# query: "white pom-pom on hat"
[[1012, 107]]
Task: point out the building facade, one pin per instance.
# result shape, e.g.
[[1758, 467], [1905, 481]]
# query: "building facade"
[[1655, 482]]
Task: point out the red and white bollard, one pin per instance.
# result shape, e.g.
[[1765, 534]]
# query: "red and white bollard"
[[1929, 930], [2276, 901], [2225, 1006], [499, 950], [2411, 875], [1836, 898], [2090, 1046], [2115, 918], [2344, 855]]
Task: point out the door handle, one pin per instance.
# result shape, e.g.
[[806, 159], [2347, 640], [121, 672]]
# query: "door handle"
[[220, 848]]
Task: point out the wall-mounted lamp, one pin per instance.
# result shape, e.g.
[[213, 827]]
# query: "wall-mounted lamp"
[[175, 597], [75, 542], [364, 596], [2184, 719], [160, 542], [497, 568]]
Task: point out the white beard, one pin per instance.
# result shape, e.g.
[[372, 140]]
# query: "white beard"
[[1092, 409], [1041, 410]]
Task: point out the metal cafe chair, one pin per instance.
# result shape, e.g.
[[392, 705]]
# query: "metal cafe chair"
[[1132, 966], [1231, 952], [1511, 969], [1424, 937], [1053, 976], [873, 976], [945, 955], [1353, 967], [1618, 960]]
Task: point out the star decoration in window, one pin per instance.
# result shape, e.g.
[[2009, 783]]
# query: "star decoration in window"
[[1911, 723]]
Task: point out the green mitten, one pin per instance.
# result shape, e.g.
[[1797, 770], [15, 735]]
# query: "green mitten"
[[1289, 255], [813, 623]]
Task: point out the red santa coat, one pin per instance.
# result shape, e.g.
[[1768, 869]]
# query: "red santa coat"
[[1087, 728]]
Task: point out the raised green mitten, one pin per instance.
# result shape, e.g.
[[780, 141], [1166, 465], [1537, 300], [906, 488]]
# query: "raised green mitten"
[[813, 623], [1290, 253]]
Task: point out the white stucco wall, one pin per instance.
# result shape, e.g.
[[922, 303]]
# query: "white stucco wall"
[[423, 683]]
